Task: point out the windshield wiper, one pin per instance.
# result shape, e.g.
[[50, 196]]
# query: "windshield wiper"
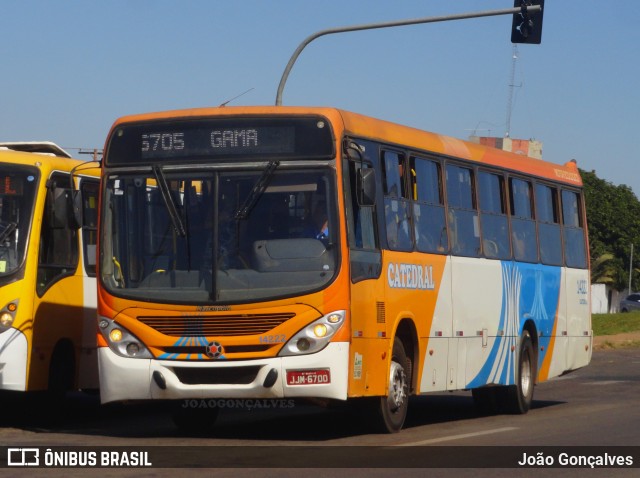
[[257, 190], [168, 201], [8, 230]]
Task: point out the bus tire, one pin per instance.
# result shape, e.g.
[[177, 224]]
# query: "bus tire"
[[520, 395], [61, 372], [392, 408], [486, 400], [60, 381]]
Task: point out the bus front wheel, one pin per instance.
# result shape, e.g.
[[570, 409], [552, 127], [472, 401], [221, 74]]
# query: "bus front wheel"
[[392, 408]]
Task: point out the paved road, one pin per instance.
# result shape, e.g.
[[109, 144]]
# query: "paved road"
[[596, 406]]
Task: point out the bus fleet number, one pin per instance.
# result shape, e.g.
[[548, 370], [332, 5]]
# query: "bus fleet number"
[[162, 142], [273, 339]]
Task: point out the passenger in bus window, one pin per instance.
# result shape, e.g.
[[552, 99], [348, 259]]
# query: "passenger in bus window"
[[519, 248], [319, 227], [398, 233], [523, 240]]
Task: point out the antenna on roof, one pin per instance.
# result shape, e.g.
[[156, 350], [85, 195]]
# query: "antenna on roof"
[[235, 97], [512, 85]]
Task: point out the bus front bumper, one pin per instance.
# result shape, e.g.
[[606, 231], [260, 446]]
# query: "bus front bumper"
[[323, 374]]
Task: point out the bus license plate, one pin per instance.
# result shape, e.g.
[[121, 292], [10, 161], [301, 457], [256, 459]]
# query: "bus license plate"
[[308, 377]]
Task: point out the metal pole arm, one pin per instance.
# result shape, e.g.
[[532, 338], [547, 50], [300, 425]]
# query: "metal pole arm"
[[399, 23]]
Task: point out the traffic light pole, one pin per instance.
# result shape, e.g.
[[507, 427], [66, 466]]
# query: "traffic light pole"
[[525, 9]]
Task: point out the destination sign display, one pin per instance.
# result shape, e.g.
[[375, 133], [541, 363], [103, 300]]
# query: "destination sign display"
[[221, 139], [10, 186]]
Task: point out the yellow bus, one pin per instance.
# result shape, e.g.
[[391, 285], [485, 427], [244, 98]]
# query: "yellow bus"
[[294, 252], [47, 269]]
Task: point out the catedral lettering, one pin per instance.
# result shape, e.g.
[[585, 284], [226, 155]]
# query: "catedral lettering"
[[410, 276], [305, 259]]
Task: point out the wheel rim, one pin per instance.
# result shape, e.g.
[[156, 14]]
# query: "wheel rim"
[[397, 387], [525, 375]]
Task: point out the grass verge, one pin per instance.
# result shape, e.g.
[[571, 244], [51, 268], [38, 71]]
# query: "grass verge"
[[612, 324]]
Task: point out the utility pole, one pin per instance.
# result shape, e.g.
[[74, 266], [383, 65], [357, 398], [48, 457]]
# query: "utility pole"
[[630, 267], [94, 152]]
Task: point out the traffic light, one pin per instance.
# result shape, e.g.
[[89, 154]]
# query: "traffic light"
[[527, 26]]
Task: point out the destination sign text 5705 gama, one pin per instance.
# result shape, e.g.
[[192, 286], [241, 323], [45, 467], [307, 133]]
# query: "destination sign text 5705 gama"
[[221, 139]]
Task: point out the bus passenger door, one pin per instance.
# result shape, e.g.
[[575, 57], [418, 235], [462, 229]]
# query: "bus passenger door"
[[88, 366], [58, 311], [367, 304]]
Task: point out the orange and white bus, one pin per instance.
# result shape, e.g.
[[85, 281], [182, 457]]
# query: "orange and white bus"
[[286, 252], [47, 269]]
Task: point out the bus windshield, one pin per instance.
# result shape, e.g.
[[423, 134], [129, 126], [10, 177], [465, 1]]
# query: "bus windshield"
[[205, 237], [17, 197]]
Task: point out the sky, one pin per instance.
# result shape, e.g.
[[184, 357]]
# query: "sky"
[[69, 68]]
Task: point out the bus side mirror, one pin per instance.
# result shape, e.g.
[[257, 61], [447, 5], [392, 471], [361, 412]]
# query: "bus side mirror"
[[366, 185]]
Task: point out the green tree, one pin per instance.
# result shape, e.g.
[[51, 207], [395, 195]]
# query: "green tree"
[[603, 269], [613, 217]]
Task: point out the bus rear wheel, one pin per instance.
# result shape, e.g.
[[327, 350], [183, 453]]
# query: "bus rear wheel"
[[486, 400], [520, 395], [392, 408]]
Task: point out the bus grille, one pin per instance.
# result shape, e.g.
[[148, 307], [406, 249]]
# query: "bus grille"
[[243, 324], [217, 376]]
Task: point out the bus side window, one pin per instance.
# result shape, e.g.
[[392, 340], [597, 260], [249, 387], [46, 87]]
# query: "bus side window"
[[575, 252], [548, 225], [493, 219], [523, 226], [430, 227], [462, 213], [362, 230], [396, 205], [89, 224], [58, 254]]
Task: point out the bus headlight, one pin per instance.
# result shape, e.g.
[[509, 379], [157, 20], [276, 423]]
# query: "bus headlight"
[[6, 319], [115, 335], [315, 336], [121, 341]]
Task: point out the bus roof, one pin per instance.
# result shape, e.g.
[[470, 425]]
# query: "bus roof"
[[40, 147], [372, 128], [48, 162]]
